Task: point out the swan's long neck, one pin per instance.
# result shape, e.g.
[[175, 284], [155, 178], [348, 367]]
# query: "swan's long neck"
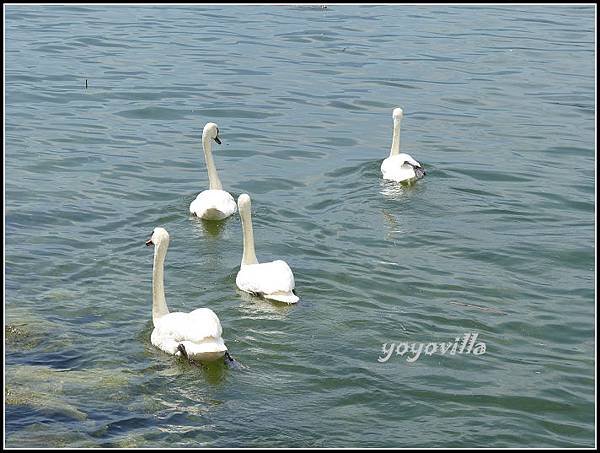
[[249, 256], [396, 138], [213, 177], [159, 304]]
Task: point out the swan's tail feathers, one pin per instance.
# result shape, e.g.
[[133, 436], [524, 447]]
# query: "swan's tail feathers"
[[288, 298], [208, 350]]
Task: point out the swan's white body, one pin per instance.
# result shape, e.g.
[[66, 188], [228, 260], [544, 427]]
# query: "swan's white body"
[[198, 331], [273, 280], [399, 166], [214, 203]]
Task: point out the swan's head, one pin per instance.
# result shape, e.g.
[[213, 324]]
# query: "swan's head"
[[397, 113], [244, 202], [211, 130], [159, 236]]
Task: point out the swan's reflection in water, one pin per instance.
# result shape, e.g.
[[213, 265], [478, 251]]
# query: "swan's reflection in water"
[[209, 228], [210, 249], [188, 389], [396, 190], [394, 225], [214, 373], [172, 366], [401, 193]]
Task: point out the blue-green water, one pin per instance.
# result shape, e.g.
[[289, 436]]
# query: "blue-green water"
[[498, 239]]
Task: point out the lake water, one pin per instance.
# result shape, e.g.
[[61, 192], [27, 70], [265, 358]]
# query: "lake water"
[[498, 239]]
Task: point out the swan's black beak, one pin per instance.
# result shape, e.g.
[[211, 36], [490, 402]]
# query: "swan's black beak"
[[218, 140], [149, 243]]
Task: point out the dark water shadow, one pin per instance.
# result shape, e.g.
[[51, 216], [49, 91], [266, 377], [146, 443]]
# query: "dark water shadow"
[[210, 228]]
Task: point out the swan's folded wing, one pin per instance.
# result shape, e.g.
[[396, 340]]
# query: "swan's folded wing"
[[395, 168], [266, 278], [214, 199], [408, 158], [197, 326], [209, 322]]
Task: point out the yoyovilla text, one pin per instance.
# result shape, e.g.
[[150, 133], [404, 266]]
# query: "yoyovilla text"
[[461, 345]]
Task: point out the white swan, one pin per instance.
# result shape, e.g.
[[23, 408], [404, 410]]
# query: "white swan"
[[398, 166], [273, 280], [196, 335], [214, 203]]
